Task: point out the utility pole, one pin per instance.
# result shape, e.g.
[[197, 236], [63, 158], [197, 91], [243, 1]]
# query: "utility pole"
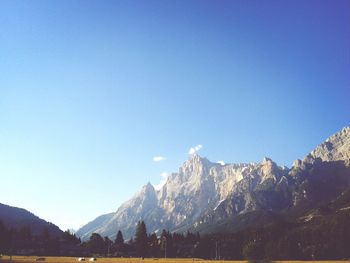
[[166, 244]]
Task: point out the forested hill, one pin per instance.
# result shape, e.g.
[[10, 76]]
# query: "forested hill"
[[17, 218]]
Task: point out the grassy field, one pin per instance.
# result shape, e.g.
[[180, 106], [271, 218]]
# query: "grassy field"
[[30, 259]]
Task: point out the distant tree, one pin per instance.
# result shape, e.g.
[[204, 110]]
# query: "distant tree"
[[192, 238], [3, 235], [254, 250], [70, 238], [119, 245], [45, 235], [166, 244], [11, 238], [96, 244], [43, 240], [198, 237], [25, 237], [163, 243], [108, 246], [205, 248], [119, 240], [153, 245], [141, 239]]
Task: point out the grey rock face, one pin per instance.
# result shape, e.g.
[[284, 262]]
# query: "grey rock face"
[[142, 206], [198, 188], [85, 232], [203, 192], [335, 148], [326, 166], [259, 188]]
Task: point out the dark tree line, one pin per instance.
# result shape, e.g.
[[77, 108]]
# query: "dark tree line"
[[144, 245], [322, 238], [23, 241], [327, 236]]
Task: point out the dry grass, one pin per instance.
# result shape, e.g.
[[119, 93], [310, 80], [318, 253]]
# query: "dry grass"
[[31, 259]]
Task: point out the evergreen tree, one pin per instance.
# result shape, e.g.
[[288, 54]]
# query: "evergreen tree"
[[2, 237], [70, 238], [45, 235], [108, 246], [141, 239], [166, 244], [153, 246], [119, 245], [25, 237], [96, 244], [163, 243], [119, 240]]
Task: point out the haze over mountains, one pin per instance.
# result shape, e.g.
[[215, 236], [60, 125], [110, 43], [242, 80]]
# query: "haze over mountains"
[[208, 197]]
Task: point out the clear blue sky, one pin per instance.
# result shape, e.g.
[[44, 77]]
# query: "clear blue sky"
[[91, 91]]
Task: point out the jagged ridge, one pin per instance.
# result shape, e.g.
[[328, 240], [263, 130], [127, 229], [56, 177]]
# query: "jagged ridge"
[[203, 192]]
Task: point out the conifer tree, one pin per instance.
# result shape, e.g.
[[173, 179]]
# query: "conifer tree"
[[119, 240], [141, 239]]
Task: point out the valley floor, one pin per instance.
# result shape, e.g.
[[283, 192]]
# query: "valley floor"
[[32, 259]]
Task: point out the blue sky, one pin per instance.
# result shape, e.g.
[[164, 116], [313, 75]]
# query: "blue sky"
[[91, 91]]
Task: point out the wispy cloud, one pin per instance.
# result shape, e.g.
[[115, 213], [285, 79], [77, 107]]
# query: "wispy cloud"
[[158, 158], [195, 149], [221, 162], [164, 177]]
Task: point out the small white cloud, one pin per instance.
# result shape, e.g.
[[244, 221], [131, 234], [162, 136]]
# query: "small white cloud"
[[164, 177], [221, 162], [195, 149], [158, 158]]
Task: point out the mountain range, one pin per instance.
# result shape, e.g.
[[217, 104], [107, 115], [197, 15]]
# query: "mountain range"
[[211, 197]]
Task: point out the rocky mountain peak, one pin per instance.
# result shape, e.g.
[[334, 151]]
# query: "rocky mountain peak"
[[196, 159], [335, 148], [269, 169], [148, 188], [346, 129], [297, 163], [266, 160], [268, 164], [202, 191], [195, 165], [147, 193]]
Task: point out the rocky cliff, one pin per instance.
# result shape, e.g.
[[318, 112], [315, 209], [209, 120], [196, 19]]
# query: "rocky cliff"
[[204, 193]]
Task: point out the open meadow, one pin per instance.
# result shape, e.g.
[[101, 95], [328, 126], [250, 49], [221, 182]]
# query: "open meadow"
[[30, 259]]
